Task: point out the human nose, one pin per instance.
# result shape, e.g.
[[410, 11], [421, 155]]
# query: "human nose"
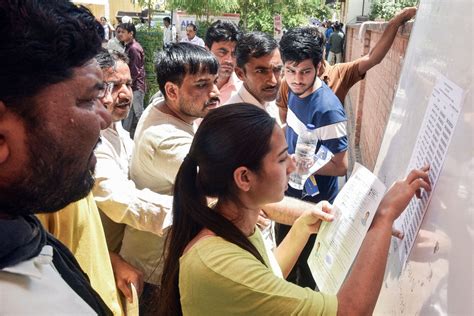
[[274, 77], [125, 92], [229, 58], [298, 77], [104, 116], [291, 164], [215, 91]]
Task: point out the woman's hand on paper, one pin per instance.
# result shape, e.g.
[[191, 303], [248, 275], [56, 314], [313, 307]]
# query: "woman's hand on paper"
[[399, 195], [310, 221]]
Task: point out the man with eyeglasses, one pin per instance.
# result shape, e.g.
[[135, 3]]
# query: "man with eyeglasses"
[[120, 202]]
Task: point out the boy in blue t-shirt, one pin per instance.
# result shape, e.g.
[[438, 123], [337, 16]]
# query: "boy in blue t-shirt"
[[311, 101]]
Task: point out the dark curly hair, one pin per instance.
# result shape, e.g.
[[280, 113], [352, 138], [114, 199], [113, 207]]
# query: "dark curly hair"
[[42, 42]]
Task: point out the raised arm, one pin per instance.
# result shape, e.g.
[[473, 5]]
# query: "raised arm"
[[368, 269], [376, 55]]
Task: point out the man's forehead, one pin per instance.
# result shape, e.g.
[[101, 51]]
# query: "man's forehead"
[[203, 75], [90, 70], [119, 71], [304, 64], [267, 61], [224, 45]]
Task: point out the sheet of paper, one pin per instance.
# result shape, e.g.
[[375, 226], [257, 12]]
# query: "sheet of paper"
[[322, 157], [338, 242], [131, 309], [431, 146]]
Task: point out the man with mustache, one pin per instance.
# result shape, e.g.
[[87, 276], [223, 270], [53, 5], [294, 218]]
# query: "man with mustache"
[[341, 77], [259, 67], [50, 122], [221, 39], [186, 75], [117, 197]]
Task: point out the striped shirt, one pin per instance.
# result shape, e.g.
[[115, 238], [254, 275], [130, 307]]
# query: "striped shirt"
[[324, 110]]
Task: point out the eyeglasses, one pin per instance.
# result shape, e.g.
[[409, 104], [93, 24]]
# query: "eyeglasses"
[[106, 90]]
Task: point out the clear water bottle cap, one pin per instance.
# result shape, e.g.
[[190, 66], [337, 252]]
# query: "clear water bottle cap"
[[310, 126]]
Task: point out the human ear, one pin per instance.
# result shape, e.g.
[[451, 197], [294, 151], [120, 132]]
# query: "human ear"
[[172, 91], [242, 178], [239, 72], [4, 147]]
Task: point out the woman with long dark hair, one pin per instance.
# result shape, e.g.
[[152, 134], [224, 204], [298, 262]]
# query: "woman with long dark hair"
[[216, 262]]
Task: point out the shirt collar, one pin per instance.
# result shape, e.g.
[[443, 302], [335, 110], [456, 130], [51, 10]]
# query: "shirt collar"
[[32, 266], [246, 96]]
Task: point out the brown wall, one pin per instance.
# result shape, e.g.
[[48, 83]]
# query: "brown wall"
[[369, 102]]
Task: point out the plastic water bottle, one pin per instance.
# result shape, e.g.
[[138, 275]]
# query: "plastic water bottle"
[[304, 156]]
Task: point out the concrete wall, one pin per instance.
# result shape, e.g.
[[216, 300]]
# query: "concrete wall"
[[369, 102], [353, 8]]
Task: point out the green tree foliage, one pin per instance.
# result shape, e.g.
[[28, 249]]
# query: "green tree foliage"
[[148, 4], [204, 8], [151, 41], [258, 14], [386, 9]]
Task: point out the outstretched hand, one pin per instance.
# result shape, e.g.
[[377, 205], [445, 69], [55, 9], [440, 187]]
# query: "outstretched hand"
[[399, 195], [406, 14], [310, 221]]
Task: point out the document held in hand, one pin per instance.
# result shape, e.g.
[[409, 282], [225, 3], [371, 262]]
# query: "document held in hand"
[[338, 242]]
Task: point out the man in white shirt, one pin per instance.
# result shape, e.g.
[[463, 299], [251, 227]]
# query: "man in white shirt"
[[221, 39], [119, 200], [259, 66], [191, 36], [186, 76], [169, 32]]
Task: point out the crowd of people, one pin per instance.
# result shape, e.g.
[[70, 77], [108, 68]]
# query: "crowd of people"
[[194, 213]]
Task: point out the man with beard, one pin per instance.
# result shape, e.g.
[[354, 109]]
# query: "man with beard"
[[311, 101], [50, 122], [221, 39], [341, 77], [186, 75], [259, 67]]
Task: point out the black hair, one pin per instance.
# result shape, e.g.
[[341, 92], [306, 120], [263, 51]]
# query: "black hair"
[[302, 43], [43, 41], [220, 31], [225, 141], [167, 19], [129, 27], [254, 45], [180, 59], [193, 26]]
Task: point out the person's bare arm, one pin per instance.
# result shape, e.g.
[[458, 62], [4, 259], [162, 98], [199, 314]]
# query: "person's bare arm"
[[287, 210], [368, 269], [289, 250], [378, 53]]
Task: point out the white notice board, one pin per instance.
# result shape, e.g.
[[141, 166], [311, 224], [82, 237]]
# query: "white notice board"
[[436, 275]]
